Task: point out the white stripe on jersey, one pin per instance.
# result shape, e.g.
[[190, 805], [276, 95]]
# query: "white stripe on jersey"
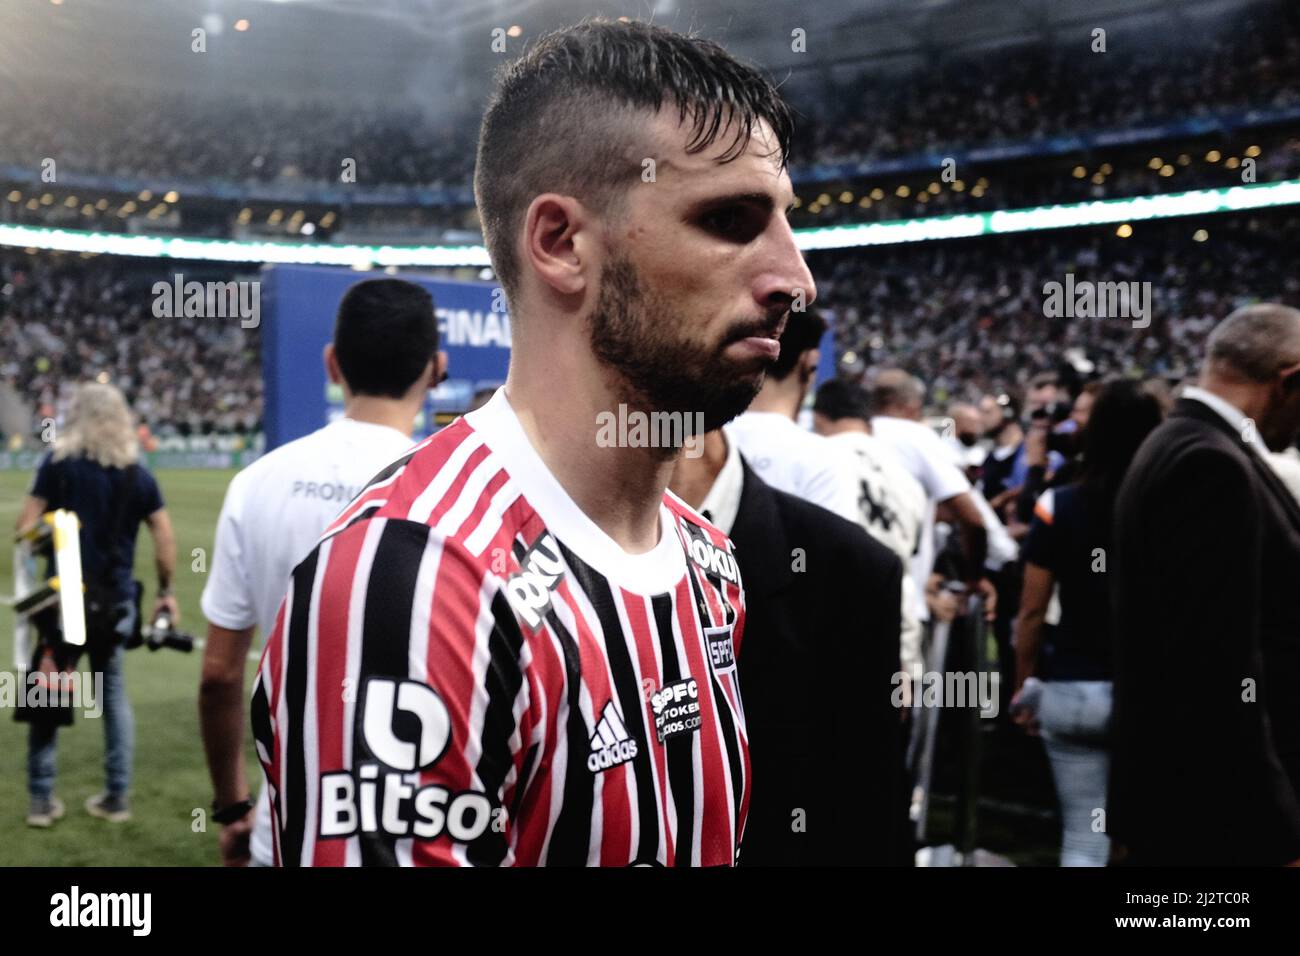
[[310, 739], [560, 759], [697, 764], [428, 499], [480, 658], [455, 516], [590, 715], [477, 541], [633, 801], [356, 630], [418, 653], [281, 718], [589, 614]]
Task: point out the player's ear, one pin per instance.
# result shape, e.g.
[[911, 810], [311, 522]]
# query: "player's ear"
[[331, 362], [554, 240], [438, 374], [808, 365]]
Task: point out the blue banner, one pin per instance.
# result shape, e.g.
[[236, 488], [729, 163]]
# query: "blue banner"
[[299, 304]]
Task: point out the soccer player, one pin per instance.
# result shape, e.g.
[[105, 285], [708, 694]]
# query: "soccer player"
[[515, 647], [385, 356]]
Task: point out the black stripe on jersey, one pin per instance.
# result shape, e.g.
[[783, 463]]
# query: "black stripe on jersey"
[[385, 650], [502, 681], [729, 736], [693, 532], [260, 718], [388, 471], [571, 837], [293, 782], [631, 702], [679, 751]]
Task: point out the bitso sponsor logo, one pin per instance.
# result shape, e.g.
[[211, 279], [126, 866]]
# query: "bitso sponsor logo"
[[406, 728], [611, 744], [676, 708], [529, 591]]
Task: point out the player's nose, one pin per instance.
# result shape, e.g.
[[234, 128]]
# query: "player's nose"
[[786, 280]]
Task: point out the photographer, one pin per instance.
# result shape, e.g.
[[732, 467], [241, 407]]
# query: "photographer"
[[94, 472]]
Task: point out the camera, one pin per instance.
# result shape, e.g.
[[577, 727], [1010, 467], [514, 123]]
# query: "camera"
[[160, 633]]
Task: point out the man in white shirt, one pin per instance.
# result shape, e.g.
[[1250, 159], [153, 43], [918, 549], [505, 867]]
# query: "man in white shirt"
[[385, 356], [891, 503], [897, 400], [787, 457]]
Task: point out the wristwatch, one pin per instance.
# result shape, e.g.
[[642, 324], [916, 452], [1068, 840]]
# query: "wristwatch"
[[232, 811]]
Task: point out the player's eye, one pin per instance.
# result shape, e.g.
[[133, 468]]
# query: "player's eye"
[[738, 223]]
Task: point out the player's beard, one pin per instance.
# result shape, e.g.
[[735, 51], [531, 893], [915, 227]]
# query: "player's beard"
[[638, 336]]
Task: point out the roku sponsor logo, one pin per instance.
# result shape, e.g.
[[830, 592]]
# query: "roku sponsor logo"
[[529, 591]]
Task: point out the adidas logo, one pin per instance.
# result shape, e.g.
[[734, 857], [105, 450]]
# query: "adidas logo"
[[611, 744]]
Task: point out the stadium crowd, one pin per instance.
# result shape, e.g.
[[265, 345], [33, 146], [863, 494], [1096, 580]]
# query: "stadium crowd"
[[967, 101], [1040, 92], [66, 319], [967, 317]]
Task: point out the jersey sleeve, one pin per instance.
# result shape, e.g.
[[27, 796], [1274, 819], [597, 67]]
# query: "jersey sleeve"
[[392, 705], [228, 599]]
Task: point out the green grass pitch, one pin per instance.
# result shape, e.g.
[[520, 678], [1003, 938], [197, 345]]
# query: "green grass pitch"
[[171, 778]]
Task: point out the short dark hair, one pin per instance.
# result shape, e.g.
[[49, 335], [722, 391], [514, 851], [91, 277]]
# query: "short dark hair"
[[385, 335], [896, 387], [561, 119], [803, 331], [838, 399]]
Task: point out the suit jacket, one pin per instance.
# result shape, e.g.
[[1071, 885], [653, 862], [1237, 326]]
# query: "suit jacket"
[[1206, 578], [815, 664]]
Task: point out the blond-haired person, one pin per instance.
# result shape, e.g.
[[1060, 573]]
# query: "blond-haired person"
[[94, 470]]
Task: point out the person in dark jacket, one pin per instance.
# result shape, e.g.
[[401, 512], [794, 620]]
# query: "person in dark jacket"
[[1206, 766], [816, 664]]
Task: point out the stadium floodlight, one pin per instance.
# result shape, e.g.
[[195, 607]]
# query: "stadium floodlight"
[[895, 232]]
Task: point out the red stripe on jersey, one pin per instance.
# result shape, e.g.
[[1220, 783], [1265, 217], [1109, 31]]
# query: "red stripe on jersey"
[[638, 619], [453, 617], [546, 680], [331, 668], [457, 487], [546, 684], [480, 508]]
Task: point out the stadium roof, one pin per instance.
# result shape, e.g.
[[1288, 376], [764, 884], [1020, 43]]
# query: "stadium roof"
[[414, 49]]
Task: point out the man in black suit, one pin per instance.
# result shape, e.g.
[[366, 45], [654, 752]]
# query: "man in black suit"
[[1206, 572], [816, 665]]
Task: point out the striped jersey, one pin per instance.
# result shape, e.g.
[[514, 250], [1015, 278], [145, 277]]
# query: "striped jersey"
[[467, 671]]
